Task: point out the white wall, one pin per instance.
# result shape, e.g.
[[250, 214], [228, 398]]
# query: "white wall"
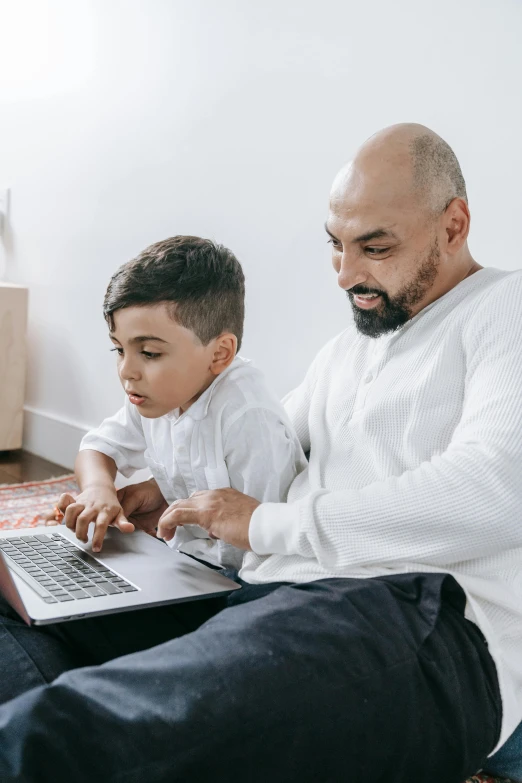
[[126, 121]]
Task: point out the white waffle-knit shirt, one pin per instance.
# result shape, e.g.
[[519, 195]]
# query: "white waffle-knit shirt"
[[415, 464]]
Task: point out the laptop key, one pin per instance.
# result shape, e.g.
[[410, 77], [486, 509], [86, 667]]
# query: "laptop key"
[[49, 599], [65, 597], [94, 591], [110, 589], [128, 588], [79, 594]]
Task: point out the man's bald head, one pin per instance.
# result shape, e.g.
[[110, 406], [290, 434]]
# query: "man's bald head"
[[418, 159], [398, 223], [436, 171]]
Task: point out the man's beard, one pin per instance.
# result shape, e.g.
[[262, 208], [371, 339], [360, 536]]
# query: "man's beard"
[[391, 313]]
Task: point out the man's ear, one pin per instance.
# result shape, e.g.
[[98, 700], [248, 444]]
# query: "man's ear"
[[457, 220], [225, 347]]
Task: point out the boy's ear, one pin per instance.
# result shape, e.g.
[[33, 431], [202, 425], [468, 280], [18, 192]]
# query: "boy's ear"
[[224, 352]]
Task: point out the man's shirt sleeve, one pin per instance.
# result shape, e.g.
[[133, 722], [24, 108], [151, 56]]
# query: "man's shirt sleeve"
[[120, 437], [460, 505]]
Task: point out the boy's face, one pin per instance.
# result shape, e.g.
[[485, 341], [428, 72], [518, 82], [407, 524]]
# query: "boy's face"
[[161, 364]]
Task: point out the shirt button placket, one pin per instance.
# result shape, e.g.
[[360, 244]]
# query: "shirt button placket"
[[182, 457]]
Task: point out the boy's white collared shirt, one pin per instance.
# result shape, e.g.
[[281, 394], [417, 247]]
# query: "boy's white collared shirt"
[[236, 434]]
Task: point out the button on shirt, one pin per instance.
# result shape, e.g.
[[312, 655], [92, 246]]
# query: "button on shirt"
[[415, 463], [236, 434]]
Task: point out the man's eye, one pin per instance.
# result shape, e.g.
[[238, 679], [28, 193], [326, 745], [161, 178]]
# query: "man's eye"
[[376, 251], [120, 351], [150, 355], [334, 242]]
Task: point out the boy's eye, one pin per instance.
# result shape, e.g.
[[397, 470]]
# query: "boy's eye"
[[120, 351], [150, 355]]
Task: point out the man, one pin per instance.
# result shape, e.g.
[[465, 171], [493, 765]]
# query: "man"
[[378, 634]]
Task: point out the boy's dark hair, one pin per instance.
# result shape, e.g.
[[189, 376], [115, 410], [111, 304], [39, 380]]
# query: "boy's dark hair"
[[203, 281]]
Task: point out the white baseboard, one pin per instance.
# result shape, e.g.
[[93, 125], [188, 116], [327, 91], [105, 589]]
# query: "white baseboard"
[[58, 439], [52, 437]]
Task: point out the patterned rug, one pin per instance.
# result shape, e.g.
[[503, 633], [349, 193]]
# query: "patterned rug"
[[27, 505]]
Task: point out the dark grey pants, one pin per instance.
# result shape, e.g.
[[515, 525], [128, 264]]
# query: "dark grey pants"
[[339, 680]]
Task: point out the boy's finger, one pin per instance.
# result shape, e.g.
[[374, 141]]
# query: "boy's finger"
[[65, 500], [123, 524], [83, 521], [103, 520], [58, 512], [71, 513], [50, 518]]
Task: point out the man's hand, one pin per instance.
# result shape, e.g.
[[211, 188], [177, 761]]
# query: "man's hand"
[[143, 504], [98, 504], [223, 513]]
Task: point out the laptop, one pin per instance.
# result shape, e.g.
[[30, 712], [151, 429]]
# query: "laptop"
[[48, 576]]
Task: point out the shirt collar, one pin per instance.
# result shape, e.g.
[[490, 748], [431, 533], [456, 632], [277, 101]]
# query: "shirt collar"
[[199, 409], [457, 291]]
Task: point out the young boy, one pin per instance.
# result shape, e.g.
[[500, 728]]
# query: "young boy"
[[196, 414]]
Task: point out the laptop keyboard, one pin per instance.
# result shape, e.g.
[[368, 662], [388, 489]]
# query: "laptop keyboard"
[[60, 571]]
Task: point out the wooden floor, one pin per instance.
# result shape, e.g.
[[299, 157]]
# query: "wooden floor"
[[19, 466]]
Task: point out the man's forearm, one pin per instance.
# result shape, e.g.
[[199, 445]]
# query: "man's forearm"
[[458, 507]]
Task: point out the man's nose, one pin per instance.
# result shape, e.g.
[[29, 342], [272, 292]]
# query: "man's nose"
[[350, 272]]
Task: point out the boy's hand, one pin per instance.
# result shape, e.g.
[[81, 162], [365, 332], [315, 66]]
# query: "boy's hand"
[[98, 504], [223, 513]]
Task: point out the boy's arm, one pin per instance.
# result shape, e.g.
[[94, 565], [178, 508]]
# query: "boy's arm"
[[94, 469], [121, 438], [263, 454], [117, 444]]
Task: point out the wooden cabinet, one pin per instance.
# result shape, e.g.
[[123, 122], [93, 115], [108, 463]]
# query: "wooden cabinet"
[[13, 359]]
